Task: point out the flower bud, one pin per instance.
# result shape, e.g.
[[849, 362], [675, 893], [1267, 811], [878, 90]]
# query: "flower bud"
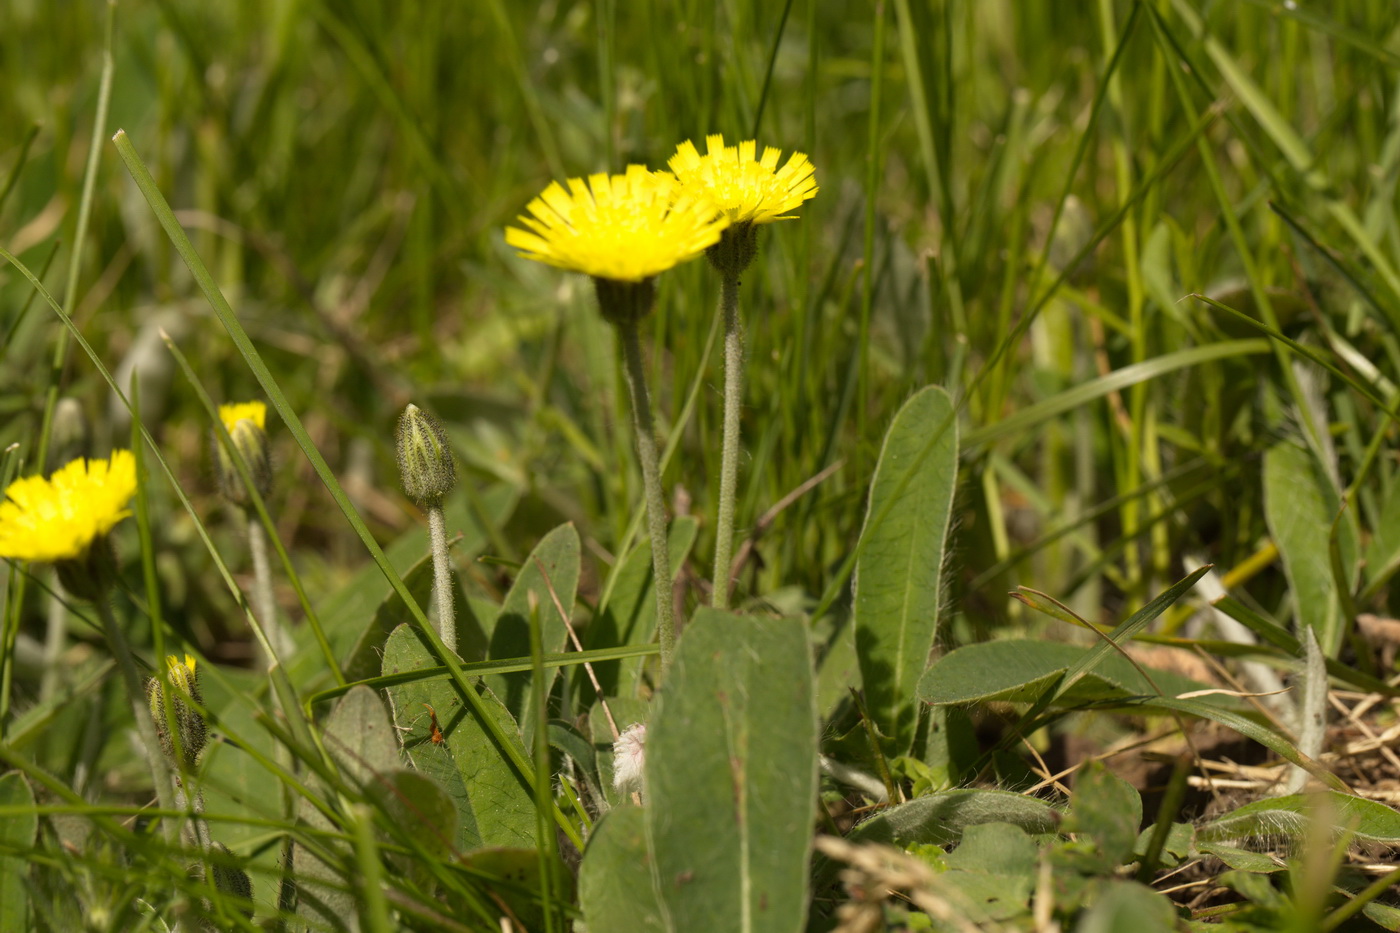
[[188, 721], [244, 423], [425, 461], [232, 881]]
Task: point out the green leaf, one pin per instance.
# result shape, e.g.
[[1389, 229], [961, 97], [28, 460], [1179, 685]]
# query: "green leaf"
[[1368, 820], [550, 571], [1300, 505], [838, 668], [1387, 917], [898, 574], [1020, 669], [360, 738], [629, 616], [994, 868], [1180, 843], [1127, 905], [731, 775], [519, 871], [1241, 859], [942, 818], [493, 801], [615, 885], [419, 806], [1108, 810], [18, 834]]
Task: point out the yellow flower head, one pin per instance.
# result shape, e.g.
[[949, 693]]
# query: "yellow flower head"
[[742, 188], [624, 228], [58, 518], [182, 673], [255, 412]]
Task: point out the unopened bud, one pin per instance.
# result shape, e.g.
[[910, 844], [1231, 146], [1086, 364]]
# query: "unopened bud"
[[189, 724], [244, 423], [425, 460], [231, 881]]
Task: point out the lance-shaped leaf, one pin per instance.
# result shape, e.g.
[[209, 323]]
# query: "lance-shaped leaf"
[[493, 802], [615, 884], [898, 572], [731, 776]]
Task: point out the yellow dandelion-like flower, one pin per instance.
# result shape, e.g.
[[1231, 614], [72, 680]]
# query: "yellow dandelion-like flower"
[[255, 412], [623, 228], [741, 187], [58, 518]]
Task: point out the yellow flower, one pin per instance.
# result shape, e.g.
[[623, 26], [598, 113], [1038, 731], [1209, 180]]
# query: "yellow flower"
[[58, 518], [255, 412], [624, 228], [183, 674], [742, 188]]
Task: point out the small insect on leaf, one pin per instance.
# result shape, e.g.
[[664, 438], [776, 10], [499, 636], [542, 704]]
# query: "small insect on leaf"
[[435, 733]]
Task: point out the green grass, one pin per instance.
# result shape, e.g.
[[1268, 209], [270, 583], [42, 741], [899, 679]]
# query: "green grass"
[[1058, 212]]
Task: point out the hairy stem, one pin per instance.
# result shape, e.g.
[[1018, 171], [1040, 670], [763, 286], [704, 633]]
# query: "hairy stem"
[[651, 479], [442, 577], [729, 457], [264, 604]]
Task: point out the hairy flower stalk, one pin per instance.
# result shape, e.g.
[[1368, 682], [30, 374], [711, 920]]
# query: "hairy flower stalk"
[[425, 464], [623, 231], [64, 520], [747, 192], [246, 426]]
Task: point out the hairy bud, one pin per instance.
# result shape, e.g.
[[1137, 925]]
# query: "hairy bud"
[[188, 722], [425, 461], [244, 423]]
